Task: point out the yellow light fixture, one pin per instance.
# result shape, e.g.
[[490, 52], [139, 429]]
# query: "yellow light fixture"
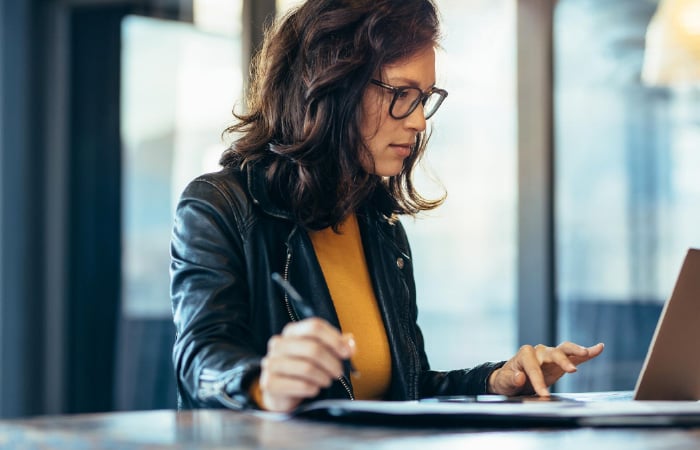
[[672, 53]]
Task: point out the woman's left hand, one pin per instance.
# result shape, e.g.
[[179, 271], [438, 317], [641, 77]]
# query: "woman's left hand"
[[533, 369]]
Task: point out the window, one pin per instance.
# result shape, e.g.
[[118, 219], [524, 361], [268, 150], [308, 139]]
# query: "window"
[[464, 251], [626, 186], [179, 84]]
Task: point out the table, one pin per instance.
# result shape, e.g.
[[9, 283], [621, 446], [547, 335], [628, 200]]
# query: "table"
[[209, 429]]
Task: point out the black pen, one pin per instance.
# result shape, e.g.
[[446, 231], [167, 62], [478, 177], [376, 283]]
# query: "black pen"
[[304, 309]]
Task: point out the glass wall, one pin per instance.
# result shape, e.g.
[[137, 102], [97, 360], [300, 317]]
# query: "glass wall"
[[627, 160], [465, 251], [179, 84]]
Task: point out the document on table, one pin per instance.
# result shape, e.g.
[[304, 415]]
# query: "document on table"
[[508, 413]]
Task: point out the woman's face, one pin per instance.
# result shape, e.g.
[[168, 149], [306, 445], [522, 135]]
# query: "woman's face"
[[389, 140]]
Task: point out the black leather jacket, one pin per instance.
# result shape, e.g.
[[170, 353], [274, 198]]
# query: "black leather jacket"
[[228, 238]]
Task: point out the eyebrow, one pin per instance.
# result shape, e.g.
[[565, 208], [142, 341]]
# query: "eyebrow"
[[400, 81]]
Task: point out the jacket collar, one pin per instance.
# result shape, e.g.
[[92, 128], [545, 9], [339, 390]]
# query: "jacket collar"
[[257, 187]]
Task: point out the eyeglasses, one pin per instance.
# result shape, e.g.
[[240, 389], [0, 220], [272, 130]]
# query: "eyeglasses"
[[407, 98]]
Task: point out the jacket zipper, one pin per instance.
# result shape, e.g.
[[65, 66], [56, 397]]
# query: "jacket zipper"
[[212, 385], [413, 393], [294, 318], [285, 275]]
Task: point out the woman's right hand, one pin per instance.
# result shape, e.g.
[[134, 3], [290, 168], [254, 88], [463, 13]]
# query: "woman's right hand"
[[305, 358]]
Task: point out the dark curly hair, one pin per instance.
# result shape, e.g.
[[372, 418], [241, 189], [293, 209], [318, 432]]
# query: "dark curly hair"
[[304, 106]]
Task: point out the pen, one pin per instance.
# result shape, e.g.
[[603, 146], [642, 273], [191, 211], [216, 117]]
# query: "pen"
[[490, 398], [304, 309]]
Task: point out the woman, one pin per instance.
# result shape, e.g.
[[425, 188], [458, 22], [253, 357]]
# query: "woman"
[[311, 189]]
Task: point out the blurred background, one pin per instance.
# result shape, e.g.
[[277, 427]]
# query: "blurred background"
[[569, 147]]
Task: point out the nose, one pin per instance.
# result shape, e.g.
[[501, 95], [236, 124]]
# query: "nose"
[[416, 120]]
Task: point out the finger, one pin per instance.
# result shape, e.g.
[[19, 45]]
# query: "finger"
[[596, 350], [322, 331], [588, 354], [531, 366], [349, 340], [306, 370], [307, 349], [558, 357], [281, 385], [280, 404], [283, 394], [572, 349]]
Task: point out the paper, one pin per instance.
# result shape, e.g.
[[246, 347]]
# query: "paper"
[[623, 413]]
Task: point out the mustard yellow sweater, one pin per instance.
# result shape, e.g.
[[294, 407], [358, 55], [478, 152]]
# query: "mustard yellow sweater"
[[342, 260]]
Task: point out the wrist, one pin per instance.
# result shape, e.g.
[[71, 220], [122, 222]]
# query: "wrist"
[[491, 382]]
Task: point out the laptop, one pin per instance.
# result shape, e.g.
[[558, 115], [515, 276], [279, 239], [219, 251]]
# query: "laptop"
[[671, 367], [666, 393]]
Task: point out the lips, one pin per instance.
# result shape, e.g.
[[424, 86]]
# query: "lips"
[[402, 150]]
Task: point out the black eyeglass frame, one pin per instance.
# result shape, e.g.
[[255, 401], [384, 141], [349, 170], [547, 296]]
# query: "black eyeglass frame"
[[398, 90]]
